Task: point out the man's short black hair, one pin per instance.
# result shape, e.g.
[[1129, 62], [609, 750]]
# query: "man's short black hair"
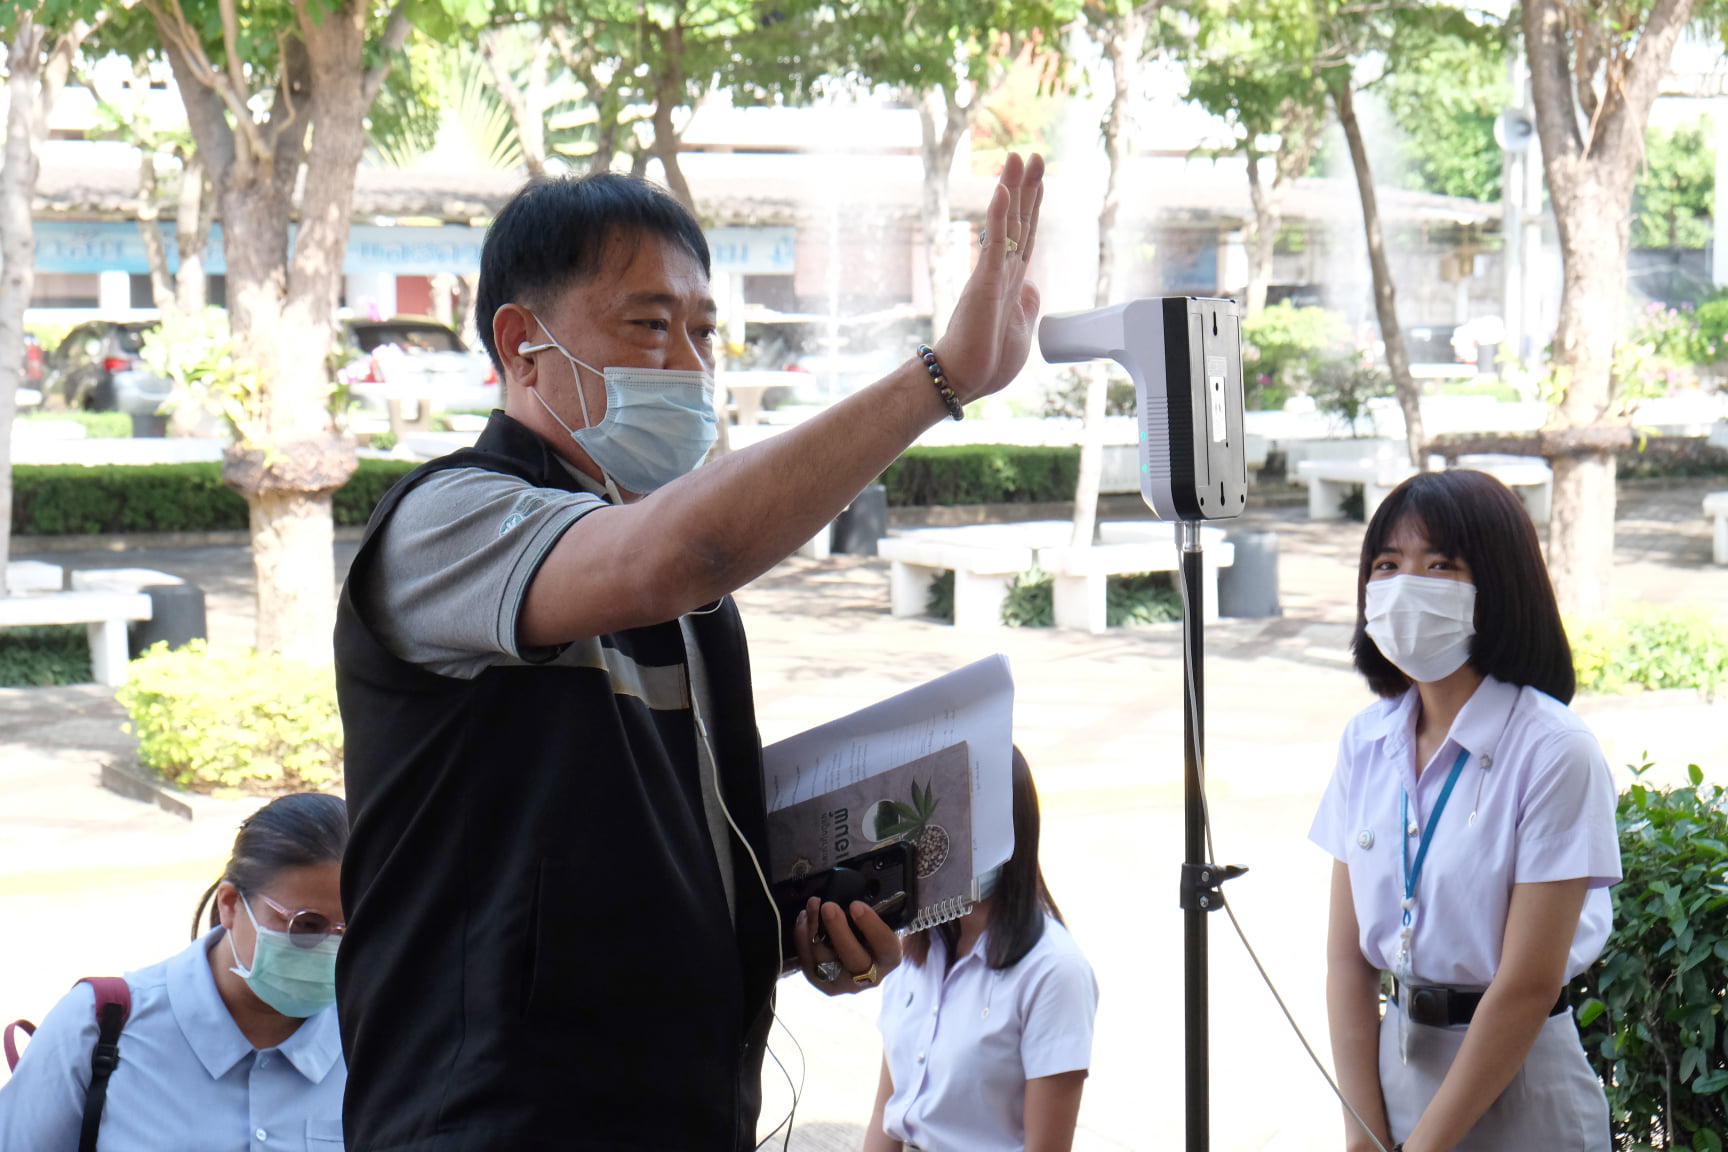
[[555, 232], [1471, 516]]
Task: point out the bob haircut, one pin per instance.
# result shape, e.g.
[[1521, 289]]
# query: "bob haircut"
[[556, 232], [1471, 516], [1021, 898]]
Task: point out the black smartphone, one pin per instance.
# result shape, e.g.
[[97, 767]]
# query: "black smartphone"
[[883, 878]]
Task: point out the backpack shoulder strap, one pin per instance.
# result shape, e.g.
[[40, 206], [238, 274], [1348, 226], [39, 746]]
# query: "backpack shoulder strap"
[[113, 1009], [11, 1043]]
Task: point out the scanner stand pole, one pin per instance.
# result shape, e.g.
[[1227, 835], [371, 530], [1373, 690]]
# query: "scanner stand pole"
[[1200, 879]]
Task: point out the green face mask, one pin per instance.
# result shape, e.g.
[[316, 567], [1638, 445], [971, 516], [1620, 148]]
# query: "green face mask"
[[296, 981]]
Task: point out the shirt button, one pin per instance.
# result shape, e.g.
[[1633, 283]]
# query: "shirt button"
[[932, 1011], [920, 1060], [1413, 830], [1487, 761], [262, 1135]]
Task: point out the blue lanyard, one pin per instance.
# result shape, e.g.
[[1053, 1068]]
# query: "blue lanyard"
[[1412, 875]]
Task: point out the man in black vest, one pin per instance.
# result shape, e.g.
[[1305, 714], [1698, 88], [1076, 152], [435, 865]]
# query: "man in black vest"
[[559, 934]]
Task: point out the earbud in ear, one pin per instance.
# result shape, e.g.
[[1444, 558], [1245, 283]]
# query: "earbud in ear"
[[524, 348]]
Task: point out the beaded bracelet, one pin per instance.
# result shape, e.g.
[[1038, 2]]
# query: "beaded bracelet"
[[951, 401]]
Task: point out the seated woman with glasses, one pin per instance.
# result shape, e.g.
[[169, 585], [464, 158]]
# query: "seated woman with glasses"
[[233, 1042]]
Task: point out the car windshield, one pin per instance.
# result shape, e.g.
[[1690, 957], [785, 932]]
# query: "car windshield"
[[131, 339], [409, 338]]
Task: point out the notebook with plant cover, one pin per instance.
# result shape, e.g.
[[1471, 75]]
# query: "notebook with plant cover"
[[925, 802]]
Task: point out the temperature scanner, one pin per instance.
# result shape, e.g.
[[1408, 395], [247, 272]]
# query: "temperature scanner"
[[1184, 355]]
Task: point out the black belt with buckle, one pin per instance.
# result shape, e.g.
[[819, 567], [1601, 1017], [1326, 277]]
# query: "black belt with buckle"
[[1439, 1006]]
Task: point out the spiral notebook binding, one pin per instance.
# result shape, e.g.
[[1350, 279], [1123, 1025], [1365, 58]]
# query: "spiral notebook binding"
[[940, 913]]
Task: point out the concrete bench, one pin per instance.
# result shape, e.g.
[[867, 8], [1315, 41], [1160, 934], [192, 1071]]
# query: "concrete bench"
[[105, 614], [1329, 481], [1716, 507], [1529, 477], [984, 558], [1081, 575]]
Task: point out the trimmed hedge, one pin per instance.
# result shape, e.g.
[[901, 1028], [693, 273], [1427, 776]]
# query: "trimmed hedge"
[[982, 474], [75, 500], [1648, 458]]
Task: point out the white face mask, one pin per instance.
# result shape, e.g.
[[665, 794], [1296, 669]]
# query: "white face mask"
[[1423, 624], [658, 426]]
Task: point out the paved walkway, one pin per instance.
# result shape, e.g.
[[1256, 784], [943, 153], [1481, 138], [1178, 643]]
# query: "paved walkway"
[[98, 884]]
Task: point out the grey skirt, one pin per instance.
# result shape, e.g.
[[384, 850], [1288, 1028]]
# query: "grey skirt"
[[1553, 1104]]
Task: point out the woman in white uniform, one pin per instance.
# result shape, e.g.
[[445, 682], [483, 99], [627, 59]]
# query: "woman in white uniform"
[[231, 1043], [987, 1029], [1471, 817]]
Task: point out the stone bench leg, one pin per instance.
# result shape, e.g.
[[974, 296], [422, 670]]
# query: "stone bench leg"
[[978, 600], [108, 654], [1208, 589], [1324, 498], [909, 587], [1372, 495], [1720, 544], [1080, 603], [1538, 500]]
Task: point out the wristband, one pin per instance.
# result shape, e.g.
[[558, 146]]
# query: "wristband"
[[949, 400]]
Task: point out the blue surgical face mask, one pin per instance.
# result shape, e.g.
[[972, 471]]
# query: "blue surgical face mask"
[[296, 981], [658, 426], [987, 882]]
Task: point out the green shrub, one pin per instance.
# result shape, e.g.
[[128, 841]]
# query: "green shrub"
[[74, 500], [34, 657], [355, 500], [982, 474], [1286, 344], [1031, 600], [1649, 646], [209, 719], [1650, 1011], [97, 425]]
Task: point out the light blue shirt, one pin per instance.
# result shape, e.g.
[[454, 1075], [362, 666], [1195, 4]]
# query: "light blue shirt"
[[188, 1080]]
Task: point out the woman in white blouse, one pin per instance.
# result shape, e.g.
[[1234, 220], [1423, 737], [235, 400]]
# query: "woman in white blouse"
[[231, 1043], [987, 1028], [1471, 818]]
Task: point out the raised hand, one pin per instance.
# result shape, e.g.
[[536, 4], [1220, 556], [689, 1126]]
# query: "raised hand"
[[990, 332]]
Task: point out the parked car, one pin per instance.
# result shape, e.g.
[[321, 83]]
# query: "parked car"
[[411, 358], [97, 367]]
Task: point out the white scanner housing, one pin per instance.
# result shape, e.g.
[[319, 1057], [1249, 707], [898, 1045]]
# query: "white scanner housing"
[[1184, 355]]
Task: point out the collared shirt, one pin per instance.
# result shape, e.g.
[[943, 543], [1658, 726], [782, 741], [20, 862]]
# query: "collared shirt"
[[961, 1043], [188, 1079], [1534, 803]]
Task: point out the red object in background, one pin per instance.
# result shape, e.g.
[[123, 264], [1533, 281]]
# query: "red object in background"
[[414, 296], [32, 360], [118, 363]]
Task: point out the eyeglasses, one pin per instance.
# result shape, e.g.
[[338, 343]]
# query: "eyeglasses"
[[306, 928]]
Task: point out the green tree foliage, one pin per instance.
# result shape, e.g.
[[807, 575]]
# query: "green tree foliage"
[[1444, 94], [1674, 195]]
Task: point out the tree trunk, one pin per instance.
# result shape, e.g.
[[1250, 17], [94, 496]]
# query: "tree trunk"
[[1262, 234], [527, 109], [668, 95], [937, 148], [289, 460], [1385, 295], [1590, 182], [1122, 39], [17, 247], [33, 85], [192, 222], [150, 231]]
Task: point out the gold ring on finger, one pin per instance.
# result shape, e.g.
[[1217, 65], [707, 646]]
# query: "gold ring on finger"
[[870, 977], [1013, 245]]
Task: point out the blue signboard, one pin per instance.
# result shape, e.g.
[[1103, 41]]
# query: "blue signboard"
[[401, 249]]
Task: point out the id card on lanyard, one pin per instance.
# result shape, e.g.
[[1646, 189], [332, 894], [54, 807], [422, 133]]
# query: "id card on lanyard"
[[1405, 966]]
